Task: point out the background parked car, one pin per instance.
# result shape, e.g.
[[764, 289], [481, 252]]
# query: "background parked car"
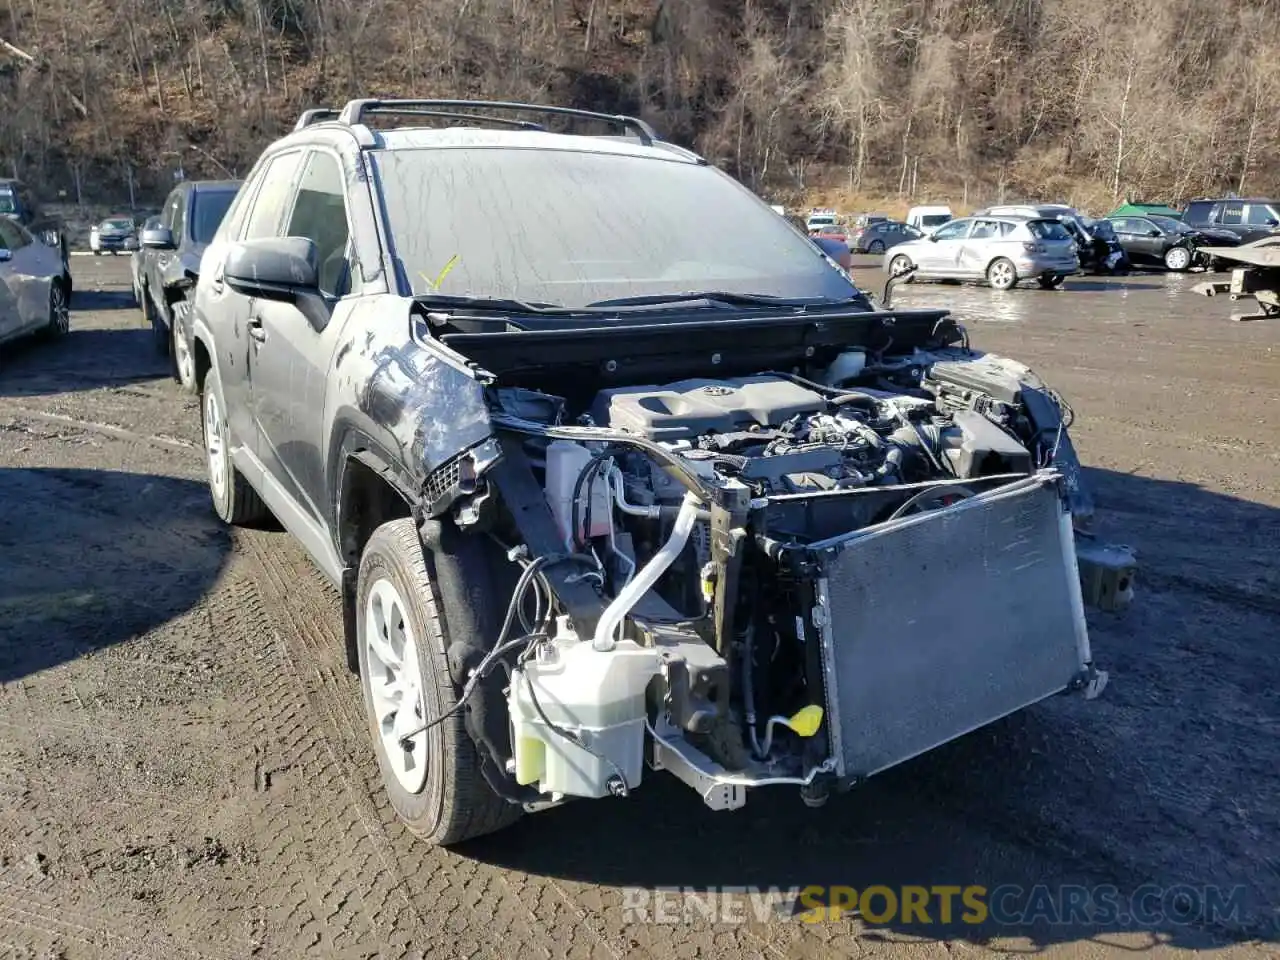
[[929, 218], [169, 264], [1162, 241], [1248, 218], [113, 235], [1108, 254], [835, 231], [34, 284], [1000, 250], [835, 248], [878, 237], [1070, 217], [18, 202]]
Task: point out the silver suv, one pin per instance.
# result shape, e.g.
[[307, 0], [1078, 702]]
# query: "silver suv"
[[1000, 250]]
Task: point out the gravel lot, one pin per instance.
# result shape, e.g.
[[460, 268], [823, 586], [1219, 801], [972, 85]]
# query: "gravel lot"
[[185, 771]]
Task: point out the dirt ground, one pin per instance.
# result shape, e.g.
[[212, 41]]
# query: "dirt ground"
[[185, 770]]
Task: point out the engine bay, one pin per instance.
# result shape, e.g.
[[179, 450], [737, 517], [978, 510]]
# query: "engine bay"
[[700, 510]]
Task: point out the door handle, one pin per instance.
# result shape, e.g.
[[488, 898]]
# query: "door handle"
[[256, 330]]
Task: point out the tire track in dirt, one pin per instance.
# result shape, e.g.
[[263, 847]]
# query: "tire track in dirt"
[[308, 612], [34, 912]]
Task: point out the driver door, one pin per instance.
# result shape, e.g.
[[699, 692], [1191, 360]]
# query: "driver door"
[[941, 255], [291, 351]]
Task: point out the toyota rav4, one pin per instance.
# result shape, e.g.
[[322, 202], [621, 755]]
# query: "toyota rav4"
[[601, 497]]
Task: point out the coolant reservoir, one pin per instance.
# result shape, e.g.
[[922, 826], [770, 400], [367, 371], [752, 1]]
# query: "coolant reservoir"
[[845, 367], [598, 696], [565, 462]]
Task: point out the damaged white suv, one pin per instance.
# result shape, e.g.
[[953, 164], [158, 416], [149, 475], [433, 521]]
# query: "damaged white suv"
[[602, 497]]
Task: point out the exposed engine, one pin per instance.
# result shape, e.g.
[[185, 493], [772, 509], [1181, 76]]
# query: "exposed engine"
[[718, 594]]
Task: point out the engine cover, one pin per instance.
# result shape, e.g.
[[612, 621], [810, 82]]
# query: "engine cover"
[[693, 408]]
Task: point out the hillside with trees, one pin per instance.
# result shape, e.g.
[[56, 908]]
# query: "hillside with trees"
[[1082, 99]]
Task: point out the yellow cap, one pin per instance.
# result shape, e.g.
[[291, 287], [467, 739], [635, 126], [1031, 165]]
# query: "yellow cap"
[[806, 721]]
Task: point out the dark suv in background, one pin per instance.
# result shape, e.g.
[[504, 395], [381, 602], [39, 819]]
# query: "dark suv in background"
[[1250, 218], [168, 263]]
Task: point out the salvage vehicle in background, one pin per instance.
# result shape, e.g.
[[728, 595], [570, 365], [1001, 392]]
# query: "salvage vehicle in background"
[[113, 235], [1070, 217], [168, 263], [34, 285], [613, 497], [18, 202], [1107, 254], [1248, 218], [1172, 244], [929, 218], [1000, 250]]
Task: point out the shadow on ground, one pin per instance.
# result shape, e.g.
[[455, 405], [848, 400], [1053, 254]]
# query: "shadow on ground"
[[92, 558], [104, 300], [1158, 798], [83, 359]]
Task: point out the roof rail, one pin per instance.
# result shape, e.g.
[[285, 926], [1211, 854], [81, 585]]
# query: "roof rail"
[[317, 115], [356, 110]]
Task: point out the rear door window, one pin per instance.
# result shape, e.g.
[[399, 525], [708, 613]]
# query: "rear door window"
[[1233, 212], [1048, 230], [984, 230]]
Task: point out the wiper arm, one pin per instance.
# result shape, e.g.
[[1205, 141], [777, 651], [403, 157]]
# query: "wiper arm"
[[715, 297], [489, 304]]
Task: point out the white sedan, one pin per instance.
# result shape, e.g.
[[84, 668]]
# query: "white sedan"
[[34, 285]]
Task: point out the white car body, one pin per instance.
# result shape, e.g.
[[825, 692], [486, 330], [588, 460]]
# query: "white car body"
[[28, 270]]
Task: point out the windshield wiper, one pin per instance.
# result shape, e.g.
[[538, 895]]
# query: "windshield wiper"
[[487, 304], [721, 297]]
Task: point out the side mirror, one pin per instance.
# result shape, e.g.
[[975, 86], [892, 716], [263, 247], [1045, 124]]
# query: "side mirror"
[[157, 238], [1273, 222], [275, 268], [5, 254]]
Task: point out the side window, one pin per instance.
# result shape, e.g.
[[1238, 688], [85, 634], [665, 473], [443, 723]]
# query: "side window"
[[273, 197], [9, 237], [1006, 228], [320, 215], [1259, 215], [170, 214], [953, 230], [180, 217], [1233, 212], [984, 230], [1124, 226], [233, 220]]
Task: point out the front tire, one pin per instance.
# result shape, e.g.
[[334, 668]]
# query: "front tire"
[[234, 500], [1177, 259], [435, 787], [876, 247], [1001, 274], [1050, 282], [899, 265]]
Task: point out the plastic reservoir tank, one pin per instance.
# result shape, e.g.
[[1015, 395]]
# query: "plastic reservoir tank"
[[565, 462], [599, 697]]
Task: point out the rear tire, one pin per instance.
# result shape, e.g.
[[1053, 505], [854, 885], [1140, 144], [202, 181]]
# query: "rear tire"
[[436, 788], [59, 311], [160, 338], [182, 358], [234, 500], [1001, 274]]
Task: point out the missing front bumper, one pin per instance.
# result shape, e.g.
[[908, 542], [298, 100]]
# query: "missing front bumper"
[[940, 623]]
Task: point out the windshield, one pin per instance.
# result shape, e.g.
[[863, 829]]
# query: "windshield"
[[568, 228], [118, 224], [822, 221], [208, 209]]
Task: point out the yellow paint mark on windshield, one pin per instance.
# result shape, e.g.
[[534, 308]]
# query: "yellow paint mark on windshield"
[[435, 285]]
